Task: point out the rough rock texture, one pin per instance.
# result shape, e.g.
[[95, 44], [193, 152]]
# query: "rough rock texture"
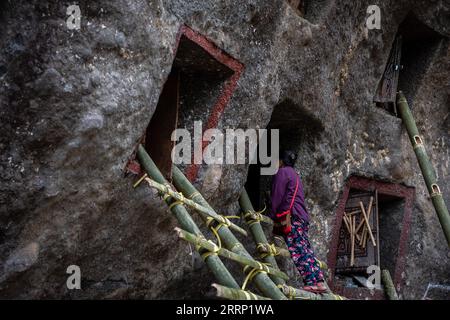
[[74, 104]]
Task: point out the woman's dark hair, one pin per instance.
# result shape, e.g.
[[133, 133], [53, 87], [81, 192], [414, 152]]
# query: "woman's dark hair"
[[288, 157]]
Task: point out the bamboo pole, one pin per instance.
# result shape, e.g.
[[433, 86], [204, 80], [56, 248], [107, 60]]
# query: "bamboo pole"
[[347, 224], [261, 280], [369, 210], [235, 294], [361, 224], [322, 265], [365, 231], [214, 249], [425, 165], [365, 238], [300, 294], [257, 231], [247, 206], [389, 287], [369, 230], [362, 236], [266, 248], [180, 197], [258, 216], [369, 214], [214, 263], [358, 237]]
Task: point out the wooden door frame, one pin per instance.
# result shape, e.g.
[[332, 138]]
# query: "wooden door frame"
[[385, 188]]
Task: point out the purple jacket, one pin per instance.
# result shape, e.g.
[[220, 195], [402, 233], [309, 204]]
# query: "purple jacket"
[[283, 188]]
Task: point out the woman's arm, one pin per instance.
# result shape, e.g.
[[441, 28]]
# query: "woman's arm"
[[279, 185], [291, 182]]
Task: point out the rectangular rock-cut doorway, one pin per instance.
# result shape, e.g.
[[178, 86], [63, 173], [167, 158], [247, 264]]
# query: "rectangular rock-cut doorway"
[[409, 58], [198, 88], [388, 208], [298, 130]]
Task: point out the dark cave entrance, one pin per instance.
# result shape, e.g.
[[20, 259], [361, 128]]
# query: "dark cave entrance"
[[391, 211], [157, 141], [408, 61], [389, 217], [419, 42], [297, 132], [190, 93], [309, 9], [298, 6]]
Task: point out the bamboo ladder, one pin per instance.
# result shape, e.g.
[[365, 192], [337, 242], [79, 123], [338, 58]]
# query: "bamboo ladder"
[[265, 274]]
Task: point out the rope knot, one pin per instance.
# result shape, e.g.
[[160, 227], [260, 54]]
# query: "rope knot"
[[266, 249], [253, 217], [262, 267]]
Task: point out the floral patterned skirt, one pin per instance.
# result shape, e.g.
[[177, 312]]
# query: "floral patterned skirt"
[[302, 253]]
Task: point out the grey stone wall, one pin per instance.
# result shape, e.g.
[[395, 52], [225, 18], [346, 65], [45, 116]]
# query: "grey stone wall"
[[73, 105]]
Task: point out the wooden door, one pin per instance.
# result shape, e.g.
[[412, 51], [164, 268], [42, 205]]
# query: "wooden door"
[[386, 92], [365, 253]]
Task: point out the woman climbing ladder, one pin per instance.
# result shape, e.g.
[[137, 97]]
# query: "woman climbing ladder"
[[291, 220]]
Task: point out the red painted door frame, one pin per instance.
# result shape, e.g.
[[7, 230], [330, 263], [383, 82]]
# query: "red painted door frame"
[[227, 90], [386, 188]]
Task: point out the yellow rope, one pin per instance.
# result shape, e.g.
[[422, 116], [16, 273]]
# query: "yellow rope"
[[256, 216], [195, 194], [291, 293], [215, 251], [236, 245], [232, 217], [322, 264], [197, 242], [167, 195], [261, 268], [224, 222], [214, 230], [173, 204], [292, 296], [219, 242], [139, 181], [166, 185], [206, 254], [250, 295], [272, 250]]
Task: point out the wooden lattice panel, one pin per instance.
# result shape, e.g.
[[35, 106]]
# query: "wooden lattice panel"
[[365, 254]]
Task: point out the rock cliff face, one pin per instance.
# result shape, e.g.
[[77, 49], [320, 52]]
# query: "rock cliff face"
[[75, 103]]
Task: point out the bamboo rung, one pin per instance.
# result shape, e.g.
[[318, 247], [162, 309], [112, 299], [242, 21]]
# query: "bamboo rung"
[[253, 215], [213, 248], [214, 263], [252, 219], [182, 199], [262, 281], [236, 294], [300, 294], [389, 287], [266, 248]]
